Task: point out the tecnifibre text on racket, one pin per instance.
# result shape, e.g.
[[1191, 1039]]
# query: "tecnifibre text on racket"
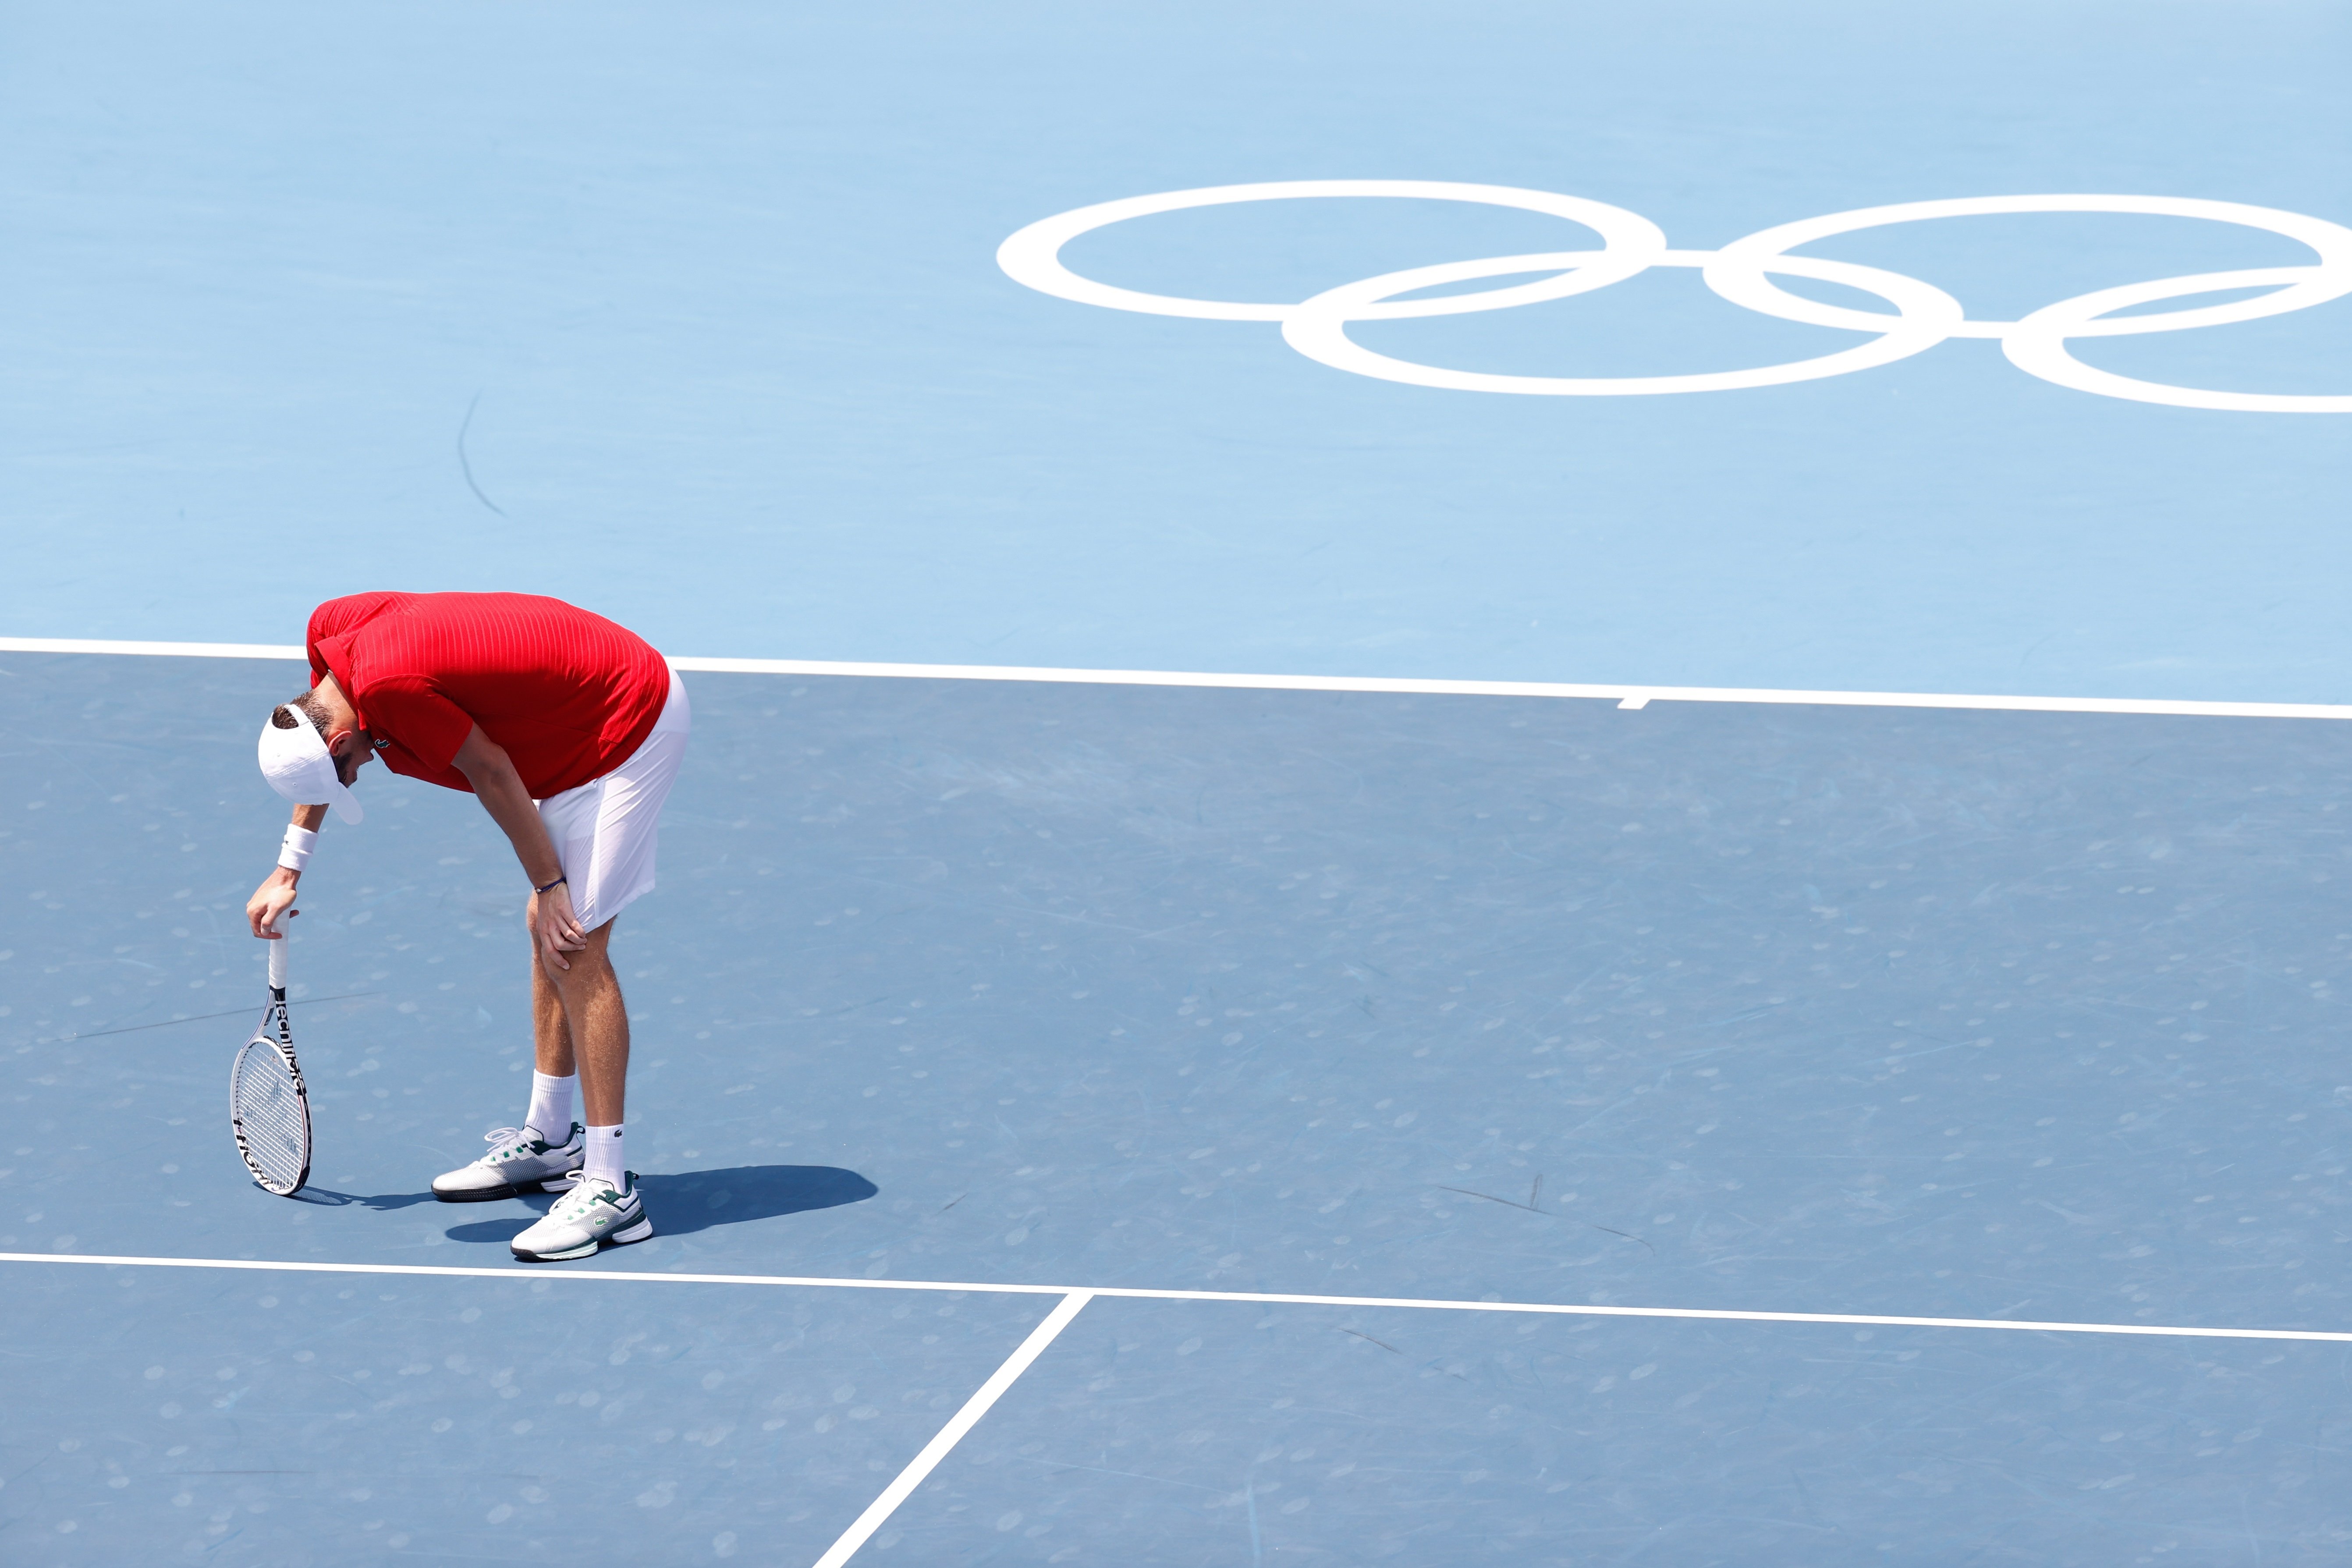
[[269, 1108]]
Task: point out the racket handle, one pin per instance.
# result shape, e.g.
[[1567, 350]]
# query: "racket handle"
[[278, 955]]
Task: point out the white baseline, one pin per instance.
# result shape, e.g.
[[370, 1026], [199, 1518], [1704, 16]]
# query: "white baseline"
[[1624, 696], [1695, 1314]]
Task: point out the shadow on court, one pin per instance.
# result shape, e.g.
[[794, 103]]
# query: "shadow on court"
[[692, 1201], [383, 1203]]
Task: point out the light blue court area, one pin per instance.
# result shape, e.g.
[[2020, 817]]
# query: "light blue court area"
[[693, 316], [1315, 1000]]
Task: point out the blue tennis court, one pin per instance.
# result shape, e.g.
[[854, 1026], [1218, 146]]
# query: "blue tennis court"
[[1353, 885]]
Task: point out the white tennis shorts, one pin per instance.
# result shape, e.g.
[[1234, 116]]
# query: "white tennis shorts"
[[606, 831]]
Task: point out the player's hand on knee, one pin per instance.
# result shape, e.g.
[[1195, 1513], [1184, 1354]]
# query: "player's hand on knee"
[[570, 934], [555, 929], [538, 919]]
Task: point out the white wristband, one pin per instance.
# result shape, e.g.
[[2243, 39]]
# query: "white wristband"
[[295, 853]]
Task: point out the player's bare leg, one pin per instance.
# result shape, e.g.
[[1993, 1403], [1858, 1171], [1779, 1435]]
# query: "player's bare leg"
[[588, 1029], [551, 1036], [550, 1145], [582, 1024]]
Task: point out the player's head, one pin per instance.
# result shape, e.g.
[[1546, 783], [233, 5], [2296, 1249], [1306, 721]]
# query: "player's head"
[[311, 750]]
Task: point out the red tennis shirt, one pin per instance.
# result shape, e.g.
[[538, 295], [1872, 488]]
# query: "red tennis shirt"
[[568, 694]]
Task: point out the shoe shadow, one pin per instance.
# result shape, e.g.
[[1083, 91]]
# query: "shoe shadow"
[[691, 1201]]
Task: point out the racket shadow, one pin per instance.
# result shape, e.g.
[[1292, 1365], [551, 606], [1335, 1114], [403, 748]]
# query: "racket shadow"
[[327, 1197], [690, 1201]]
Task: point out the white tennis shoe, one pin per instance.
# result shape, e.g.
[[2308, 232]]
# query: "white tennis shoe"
[[594, 1214], [520, 1161]]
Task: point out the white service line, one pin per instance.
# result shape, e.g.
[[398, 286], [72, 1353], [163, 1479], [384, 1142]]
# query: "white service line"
[[1258, 1298], [1628, 697], [898, 1491]]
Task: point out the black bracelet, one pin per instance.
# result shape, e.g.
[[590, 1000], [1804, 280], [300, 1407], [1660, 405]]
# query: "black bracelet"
[[557, 882]]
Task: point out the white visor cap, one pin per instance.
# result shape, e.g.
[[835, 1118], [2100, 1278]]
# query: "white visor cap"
[[299, 766]]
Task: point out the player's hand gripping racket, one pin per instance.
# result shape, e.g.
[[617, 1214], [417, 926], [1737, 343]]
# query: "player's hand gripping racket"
[[268, 1109]]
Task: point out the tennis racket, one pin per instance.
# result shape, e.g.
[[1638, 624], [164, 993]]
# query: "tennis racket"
[[269, 1108]]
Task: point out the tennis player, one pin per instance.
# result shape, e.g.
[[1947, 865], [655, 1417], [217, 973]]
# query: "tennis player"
[[568, 729]]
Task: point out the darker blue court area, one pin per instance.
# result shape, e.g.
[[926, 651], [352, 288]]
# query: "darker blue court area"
[[1847, 1010]]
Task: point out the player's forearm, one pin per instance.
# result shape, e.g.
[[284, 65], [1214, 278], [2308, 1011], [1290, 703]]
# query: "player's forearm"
[[500, 790], [276, 895], [294, 852]]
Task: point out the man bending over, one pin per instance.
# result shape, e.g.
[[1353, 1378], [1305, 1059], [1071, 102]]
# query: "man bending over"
[[568, 729]]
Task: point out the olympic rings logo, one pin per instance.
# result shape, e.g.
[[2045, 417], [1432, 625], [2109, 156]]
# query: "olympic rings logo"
[[1742, 272]]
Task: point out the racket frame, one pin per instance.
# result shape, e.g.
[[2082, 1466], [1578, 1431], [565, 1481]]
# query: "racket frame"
[[273, 1013]]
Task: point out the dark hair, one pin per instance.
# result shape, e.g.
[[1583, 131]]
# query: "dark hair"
[[317, 711]]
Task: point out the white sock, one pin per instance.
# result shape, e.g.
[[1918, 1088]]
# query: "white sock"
[[550, 1108], [605, 1156]]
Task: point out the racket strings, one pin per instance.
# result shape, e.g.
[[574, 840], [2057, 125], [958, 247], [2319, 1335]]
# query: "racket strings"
[[268, 1105]]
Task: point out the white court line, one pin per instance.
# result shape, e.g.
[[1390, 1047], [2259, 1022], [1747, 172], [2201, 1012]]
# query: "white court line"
[[898, 1491], [158, 649], [1550, 1308], [1631, 697]]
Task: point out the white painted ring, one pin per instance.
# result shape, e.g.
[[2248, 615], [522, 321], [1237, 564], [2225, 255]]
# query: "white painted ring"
[[1032, 256], [1318, 329], [1738, 275], [1740, 272], [2037, 345]]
